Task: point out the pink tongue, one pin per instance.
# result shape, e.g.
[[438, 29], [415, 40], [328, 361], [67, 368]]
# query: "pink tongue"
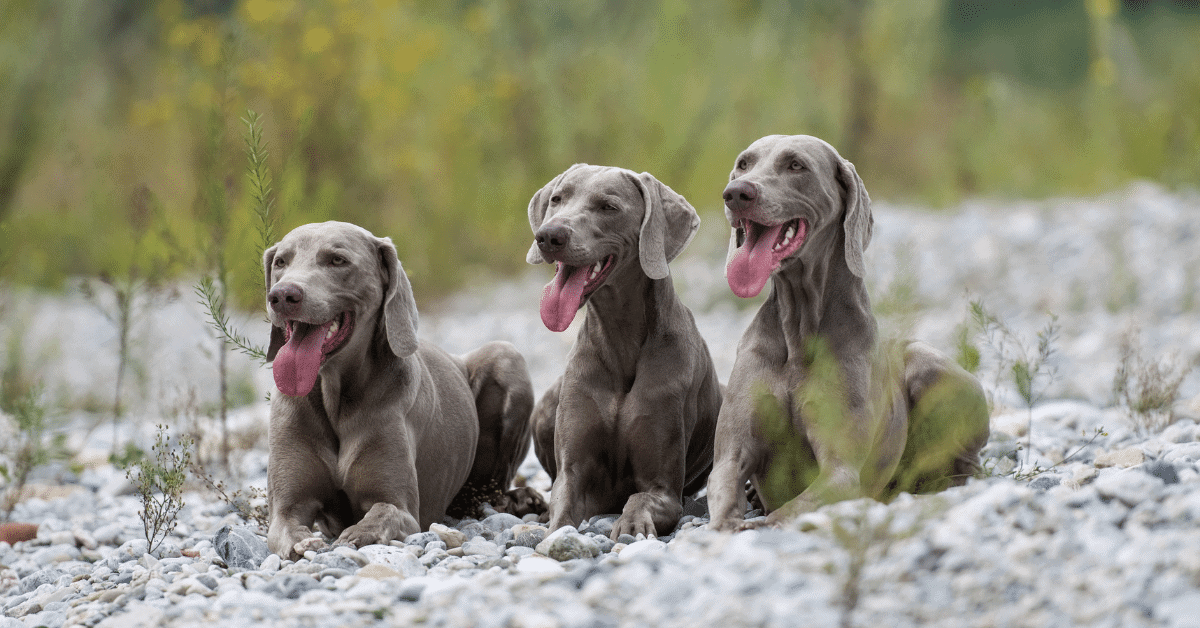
[[298, 362], [560, 299], [749, 268]]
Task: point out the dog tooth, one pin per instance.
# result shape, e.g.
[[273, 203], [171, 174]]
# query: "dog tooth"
[[598, 267], [790, 232]]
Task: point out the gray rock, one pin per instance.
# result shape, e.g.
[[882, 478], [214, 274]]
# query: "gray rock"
[[1128, 487], [500, 522], [38, 578], [336, 561], [289, 585], [399, 559], [479, 547], [240, 547], [603, 543], [207, 580], [566, 543], [1045, 482], [626, 539], [421, 539], [528, 535], [471, 529], [412, 588], [1164, 471], [109, 534], [601, 524]]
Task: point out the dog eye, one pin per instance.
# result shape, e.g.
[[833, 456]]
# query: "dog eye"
[[279, 263], [337, 260], [610, 208], [554, 200], [741, 164], [796, 165]]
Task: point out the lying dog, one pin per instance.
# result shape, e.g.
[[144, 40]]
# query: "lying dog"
[[629, 426], [376, 432], [817, 409]]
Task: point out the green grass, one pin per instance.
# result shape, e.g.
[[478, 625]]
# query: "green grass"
[[433, 123]]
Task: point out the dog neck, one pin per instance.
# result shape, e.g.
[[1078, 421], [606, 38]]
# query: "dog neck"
[[817, 295], [624, 314], [348, 376]]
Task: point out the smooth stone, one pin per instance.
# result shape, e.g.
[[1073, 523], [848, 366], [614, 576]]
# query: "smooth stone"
[[336, 561], [240, 547], [528, 535], [1122, 458], [290, 586], [566, 543], [1129, 487], [539, 565], [421, 539], [109, 534], [1164, 471], [271, 563], [482, 548], [500, 522], [398, 559], [451, 537], [352, 554], [378, 571], [638, 548]]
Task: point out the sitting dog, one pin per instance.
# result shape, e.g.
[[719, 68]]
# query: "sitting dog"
[[629, 425], [376, 432], [817, 409]]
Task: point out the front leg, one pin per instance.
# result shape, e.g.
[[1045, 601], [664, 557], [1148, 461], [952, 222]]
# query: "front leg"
[[381, 481], [299, 481]]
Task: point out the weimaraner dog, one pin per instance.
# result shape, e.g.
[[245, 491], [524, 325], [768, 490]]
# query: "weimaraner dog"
[[817, 409], [629, 425], [375, 433]]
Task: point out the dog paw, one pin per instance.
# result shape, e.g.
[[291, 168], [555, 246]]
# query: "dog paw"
[[523, 501], [360, 536], [634, 525]]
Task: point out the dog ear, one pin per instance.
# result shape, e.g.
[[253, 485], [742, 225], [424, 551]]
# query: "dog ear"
[[277, 337], [399, 307], [538, 206], [668, 225], [858, 222]]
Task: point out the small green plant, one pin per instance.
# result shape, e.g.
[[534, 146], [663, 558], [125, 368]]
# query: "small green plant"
[[28, 446], [135, 288], [965, 352], [159, 479], [250, 504], [214, 291], [1029, 366], [1147, 388]]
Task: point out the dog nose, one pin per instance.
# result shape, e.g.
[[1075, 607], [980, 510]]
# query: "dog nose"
[[285, 298], [552, 238], [740, 195]]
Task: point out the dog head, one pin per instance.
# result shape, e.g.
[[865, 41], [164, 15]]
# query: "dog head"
[[329, 287], [592, 220], [787, 197]]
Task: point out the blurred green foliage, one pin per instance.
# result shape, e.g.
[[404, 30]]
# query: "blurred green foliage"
[[434, 122]]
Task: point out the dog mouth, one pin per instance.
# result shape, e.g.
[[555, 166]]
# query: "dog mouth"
[[306, 347], [571, 285], [760, 249]]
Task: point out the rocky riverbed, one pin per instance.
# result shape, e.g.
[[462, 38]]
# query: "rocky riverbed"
[[1095, 523]]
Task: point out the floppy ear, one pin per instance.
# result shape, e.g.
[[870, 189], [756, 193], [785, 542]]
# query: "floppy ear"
[[538, 205], [859, 221], [277, 338], [399, 308], [668, 225]]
